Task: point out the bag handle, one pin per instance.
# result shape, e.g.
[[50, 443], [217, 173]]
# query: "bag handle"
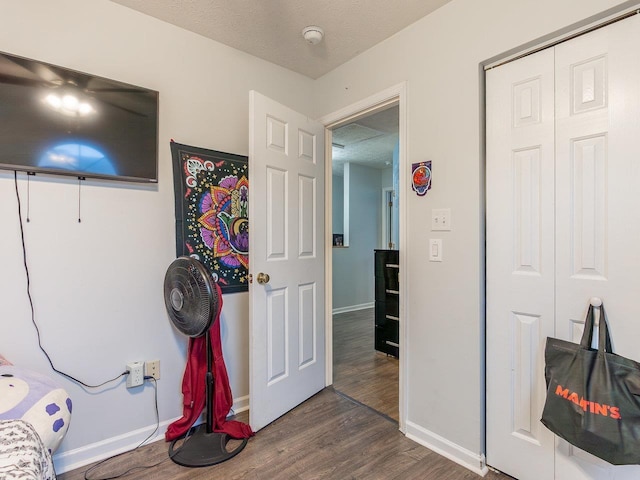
[[604, 338], [604, 335]]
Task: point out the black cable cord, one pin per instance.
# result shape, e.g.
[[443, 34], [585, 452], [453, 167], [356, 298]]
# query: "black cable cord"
[[137, 467], [28, 196], [33, 314], [33, 320], [80, 179]]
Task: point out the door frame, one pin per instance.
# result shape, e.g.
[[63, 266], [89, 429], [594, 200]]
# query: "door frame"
[[372, 104], [387, 219]]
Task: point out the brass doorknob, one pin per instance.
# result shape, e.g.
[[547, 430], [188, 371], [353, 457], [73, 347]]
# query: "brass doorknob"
[[263, 278]]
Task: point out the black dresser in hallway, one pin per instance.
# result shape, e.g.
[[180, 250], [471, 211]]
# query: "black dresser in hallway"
[[387, 292]]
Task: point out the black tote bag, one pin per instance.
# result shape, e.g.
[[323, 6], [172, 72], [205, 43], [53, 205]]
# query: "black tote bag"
[[593, 395]]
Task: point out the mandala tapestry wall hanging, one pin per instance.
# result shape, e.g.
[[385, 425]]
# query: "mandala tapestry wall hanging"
[[212, 199]]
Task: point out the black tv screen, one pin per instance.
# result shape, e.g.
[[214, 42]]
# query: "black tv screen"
[[60, 121]]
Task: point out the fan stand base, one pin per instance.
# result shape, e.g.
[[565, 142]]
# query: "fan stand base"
[[202, 449]]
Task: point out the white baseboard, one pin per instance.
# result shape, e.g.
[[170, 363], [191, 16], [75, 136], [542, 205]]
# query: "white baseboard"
[[94, 452], [466, 458], [240, 404], [353, 308]]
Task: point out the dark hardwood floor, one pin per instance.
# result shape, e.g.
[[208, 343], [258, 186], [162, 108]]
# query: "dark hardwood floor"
[[359, 371], [330, 436], [327, 437]]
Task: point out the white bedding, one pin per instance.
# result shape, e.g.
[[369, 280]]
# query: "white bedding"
[[22, 453]]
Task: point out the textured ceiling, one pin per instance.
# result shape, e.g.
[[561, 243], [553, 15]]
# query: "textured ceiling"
[[272, 29], [369, 141]]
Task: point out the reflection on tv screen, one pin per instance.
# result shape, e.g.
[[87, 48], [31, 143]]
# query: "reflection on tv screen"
[[77, 157]]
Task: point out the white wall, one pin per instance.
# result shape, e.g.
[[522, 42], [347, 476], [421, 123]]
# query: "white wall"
[[353, 273], [439, 57], [387, 182], [97, 286], [337, 204], [386, 179]]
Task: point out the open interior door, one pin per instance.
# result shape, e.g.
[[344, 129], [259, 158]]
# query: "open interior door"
[[286, 241]]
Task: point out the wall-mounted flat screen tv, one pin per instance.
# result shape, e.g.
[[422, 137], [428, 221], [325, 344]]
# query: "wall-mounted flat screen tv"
[[60, 121]]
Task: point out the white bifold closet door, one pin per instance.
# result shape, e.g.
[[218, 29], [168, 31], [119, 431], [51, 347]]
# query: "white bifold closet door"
[[563, 225]]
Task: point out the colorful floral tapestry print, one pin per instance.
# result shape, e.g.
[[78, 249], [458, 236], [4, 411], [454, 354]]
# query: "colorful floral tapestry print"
[[212, 200]]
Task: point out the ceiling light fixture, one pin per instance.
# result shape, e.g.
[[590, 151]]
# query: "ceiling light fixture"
[[313, 34]]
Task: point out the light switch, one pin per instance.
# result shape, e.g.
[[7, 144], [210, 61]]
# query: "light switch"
[[441, 219], [435, 250]]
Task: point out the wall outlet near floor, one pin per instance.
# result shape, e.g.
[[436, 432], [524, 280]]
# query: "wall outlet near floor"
[[152, 369], [136, 374]]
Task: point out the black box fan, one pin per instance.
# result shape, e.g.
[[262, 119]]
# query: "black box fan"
[[193, 304]]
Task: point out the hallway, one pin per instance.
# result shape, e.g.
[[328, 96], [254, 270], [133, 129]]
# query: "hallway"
[[359, 371]]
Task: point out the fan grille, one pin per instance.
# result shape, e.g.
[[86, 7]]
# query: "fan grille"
[[190, 296]]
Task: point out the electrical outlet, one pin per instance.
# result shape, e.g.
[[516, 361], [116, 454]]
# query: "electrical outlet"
[[152, 369], [441, 219], [136, 375]]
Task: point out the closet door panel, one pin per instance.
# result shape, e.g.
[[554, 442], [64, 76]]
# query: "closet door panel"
[[597, 219], [520, 263]]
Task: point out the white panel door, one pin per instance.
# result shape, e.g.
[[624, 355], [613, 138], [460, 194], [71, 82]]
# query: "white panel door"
[[591, 216], [597, 215], [286, 208], [520, 263]]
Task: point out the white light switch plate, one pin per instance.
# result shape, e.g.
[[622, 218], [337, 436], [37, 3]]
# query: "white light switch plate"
[[441, 219], [435, 250]]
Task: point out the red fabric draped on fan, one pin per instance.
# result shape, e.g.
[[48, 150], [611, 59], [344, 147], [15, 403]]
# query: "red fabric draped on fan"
[[194, 387]]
